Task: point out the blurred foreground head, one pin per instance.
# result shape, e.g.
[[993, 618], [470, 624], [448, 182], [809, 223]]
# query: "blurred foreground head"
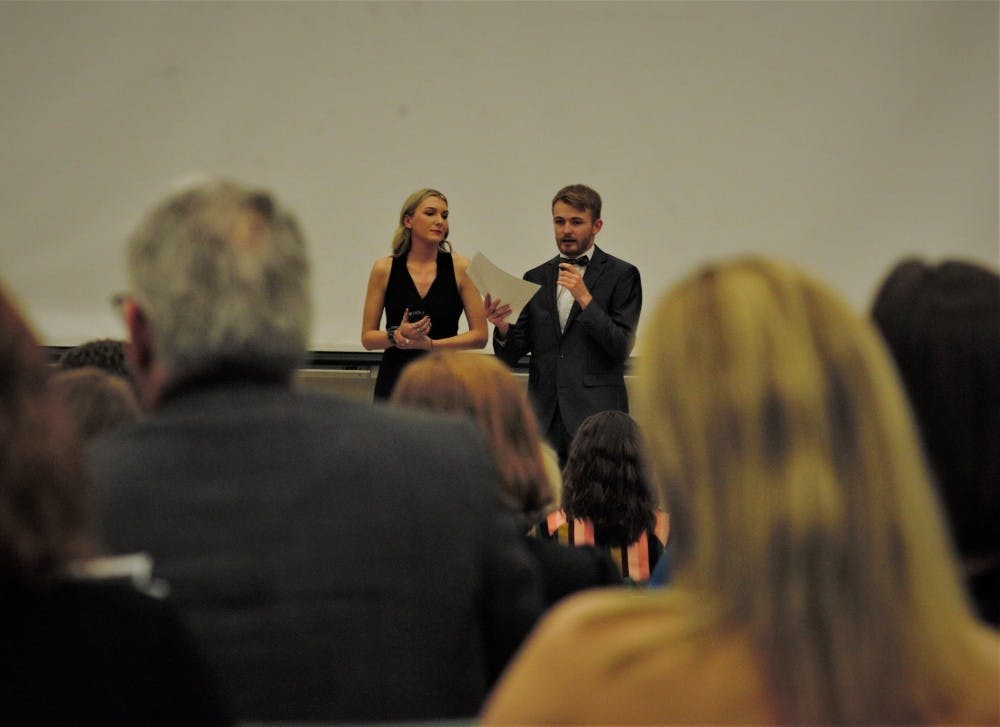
[[97, 401], [942, 325], [483, 388], [219, 279], [800, 507], [44, 494]]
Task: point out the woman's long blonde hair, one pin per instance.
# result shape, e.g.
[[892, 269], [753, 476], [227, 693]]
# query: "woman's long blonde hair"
[[800, 505], [401, 239]]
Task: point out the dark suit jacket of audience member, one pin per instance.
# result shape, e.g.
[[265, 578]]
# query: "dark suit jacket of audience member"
[[567, 569], [337, 560], [93, 652], [581, 369]]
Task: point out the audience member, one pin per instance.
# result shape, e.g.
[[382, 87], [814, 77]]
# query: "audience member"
[[607, 497], [339, 561], [812, 581], [662, 570], [97, 401], [78, 648], [942, 325], [107, 354], [483, 388]]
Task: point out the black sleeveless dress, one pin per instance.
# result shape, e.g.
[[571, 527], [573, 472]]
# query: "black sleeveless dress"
[[443, 303]]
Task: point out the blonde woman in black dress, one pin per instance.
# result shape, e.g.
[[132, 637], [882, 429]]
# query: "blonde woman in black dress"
[[423, 289]]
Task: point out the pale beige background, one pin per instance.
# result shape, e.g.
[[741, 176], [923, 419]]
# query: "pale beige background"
[[841, 135]]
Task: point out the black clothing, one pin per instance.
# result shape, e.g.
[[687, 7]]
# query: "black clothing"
[[443, 303], [97, 652]]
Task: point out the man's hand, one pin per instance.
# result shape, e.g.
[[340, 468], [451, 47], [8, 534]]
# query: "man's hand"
[[571, 279], [497, 313]]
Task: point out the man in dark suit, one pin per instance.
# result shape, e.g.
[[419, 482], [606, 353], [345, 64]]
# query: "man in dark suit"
[[579, 327], [337, 562]]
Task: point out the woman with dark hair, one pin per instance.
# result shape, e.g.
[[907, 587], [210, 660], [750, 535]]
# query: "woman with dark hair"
[[79, 647], [420, 285], [942, 325], [607, 498]]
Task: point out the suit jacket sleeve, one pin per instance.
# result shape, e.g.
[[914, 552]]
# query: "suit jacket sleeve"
[[613, 329]]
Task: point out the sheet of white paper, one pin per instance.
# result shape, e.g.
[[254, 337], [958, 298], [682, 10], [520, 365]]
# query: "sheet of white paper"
[[501, 285]]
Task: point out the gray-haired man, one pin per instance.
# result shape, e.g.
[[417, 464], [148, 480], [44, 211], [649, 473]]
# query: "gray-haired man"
[[337, 561]]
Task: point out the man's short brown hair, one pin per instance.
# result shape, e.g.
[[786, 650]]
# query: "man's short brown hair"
[[580, 197]]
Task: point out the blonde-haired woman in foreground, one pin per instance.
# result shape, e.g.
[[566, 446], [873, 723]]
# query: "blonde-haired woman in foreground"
[[813, 583]]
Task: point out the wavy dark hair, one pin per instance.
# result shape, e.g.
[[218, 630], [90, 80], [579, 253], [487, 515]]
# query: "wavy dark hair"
[[605, 478], [107, 354], [44, 493]]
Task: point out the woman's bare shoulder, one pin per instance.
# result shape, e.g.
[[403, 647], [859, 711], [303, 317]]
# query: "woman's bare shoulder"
[[381, 267]]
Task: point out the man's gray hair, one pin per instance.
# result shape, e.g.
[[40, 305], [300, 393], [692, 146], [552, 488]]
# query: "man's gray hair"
[[222, 274]]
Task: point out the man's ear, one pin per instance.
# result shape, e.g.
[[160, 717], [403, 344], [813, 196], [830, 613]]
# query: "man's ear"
[[140, 336], [149, 374], [147, 370], [598, 224]]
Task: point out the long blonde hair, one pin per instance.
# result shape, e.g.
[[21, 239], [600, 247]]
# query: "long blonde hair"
[[800, 505], [401, 239]]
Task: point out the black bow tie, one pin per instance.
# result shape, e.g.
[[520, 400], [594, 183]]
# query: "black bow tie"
[[582, 260]]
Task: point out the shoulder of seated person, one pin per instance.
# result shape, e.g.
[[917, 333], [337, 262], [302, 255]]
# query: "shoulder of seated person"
[[586, 613]]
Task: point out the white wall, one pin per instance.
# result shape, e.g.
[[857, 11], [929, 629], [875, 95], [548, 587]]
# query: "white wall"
[[841, 135]]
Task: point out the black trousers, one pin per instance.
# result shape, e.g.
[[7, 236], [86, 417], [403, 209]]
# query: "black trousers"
[[558, 436]]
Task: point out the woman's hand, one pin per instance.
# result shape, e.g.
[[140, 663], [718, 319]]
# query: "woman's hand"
[[414, 334]]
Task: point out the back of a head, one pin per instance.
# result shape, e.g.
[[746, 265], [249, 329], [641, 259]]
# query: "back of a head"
[[107, 354], [44, 513], [97, 401], [605, 480], [221, 271], [482, 388], [942, 325], [800, 506]]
